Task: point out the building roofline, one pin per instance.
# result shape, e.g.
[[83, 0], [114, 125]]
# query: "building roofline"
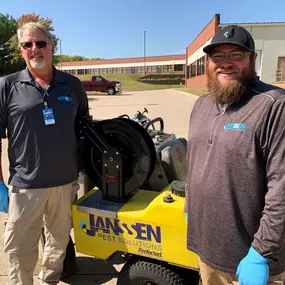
[[122, 60], [150, 56], [254, 24]]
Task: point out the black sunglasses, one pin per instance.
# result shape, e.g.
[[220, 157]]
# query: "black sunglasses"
[[39, 44]]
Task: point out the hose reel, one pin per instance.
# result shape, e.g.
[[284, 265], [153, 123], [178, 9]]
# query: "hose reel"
[[118, 155]]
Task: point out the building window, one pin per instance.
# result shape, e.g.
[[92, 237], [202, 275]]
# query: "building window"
[[72, 71], [154, 69], [159, 68], [103, 70], [280, 72], [140, 69], [126, 70], [178, 67], [188, 71], [80, 71], [201, 66], [93, 71], [133, 69], [167, 68], [151, 69], [116, 70], [193, 69]]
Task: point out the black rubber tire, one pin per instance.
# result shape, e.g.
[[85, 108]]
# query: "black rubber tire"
[[144, 272], [111, 91]]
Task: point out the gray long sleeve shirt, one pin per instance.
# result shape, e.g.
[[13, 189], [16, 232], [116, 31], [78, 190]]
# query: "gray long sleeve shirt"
[[236, 179]]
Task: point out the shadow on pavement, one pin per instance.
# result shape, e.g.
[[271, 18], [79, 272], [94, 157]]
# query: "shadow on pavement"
[[91, 271], [89, 280]]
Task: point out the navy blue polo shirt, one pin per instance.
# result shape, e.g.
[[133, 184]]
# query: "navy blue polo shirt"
[[41, 155]]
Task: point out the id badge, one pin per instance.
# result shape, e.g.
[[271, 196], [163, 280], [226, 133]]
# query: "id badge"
[[48, 116]]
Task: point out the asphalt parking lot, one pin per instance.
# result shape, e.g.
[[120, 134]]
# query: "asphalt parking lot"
[[173, 106]]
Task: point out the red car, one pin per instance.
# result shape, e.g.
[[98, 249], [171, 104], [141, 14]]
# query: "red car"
[[101, 84]]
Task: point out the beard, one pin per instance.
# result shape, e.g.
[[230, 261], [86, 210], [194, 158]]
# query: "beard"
[[233, 91], [38, 62]]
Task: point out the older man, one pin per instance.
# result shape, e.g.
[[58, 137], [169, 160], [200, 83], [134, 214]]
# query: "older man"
[[236, 169], [39, 107]]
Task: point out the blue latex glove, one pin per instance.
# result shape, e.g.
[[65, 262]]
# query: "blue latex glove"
[[4, 200], [253, 269]]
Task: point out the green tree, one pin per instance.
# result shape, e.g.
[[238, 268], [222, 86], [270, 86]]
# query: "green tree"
[[71, 58], [8, 27], [79, 58]]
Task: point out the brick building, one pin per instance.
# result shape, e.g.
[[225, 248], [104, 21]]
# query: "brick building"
[[138, 65]]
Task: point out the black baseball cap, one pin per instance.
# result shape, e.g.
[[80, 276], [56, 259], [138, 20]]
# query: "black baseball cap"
[[232, 35]]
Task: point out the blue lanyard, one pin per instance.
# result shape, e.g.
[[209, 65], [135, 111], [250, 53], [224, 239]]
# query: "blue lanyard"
[[45, 96]]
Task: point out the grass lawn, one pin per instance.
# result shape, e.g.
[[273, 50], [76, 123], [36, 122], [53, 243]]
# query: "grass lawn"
[[195, 91], [130, 83]]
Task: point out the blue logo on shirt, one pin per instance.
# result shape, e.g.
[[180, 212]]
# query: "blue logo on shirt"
[[235, 127], [65, 98]]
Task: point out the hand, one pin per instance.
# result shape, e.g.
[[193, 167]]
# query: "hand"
[[253, 269], [3, 198]]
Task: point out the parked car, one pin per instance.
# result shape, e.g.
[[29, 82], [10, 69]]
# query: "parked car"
[[101, 84]]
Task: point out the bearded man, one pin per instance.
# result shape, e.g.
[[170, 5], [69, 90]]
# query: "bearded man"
[[235, 186]]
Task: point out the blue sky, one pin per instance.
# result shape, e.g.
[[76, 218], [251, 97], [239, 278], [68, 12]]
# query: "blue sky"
[[115, 28]]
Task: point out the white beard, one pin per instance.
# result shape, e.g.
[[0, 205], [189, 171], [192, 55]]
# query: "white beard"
[[38, 62]]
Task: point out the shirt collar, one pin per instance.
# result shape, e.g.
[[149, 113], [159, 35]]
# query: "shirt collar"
[[58, 76], [25, 76]]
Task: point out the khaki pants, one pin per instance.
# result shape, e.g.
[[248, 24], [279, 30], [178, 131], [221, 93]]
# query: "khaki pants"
[[210, 276], [29, 211]]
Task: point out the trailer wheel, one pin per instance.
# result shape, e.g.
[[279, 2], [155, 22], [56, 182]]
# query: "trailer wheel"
[[111, 91], [144, 272]]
